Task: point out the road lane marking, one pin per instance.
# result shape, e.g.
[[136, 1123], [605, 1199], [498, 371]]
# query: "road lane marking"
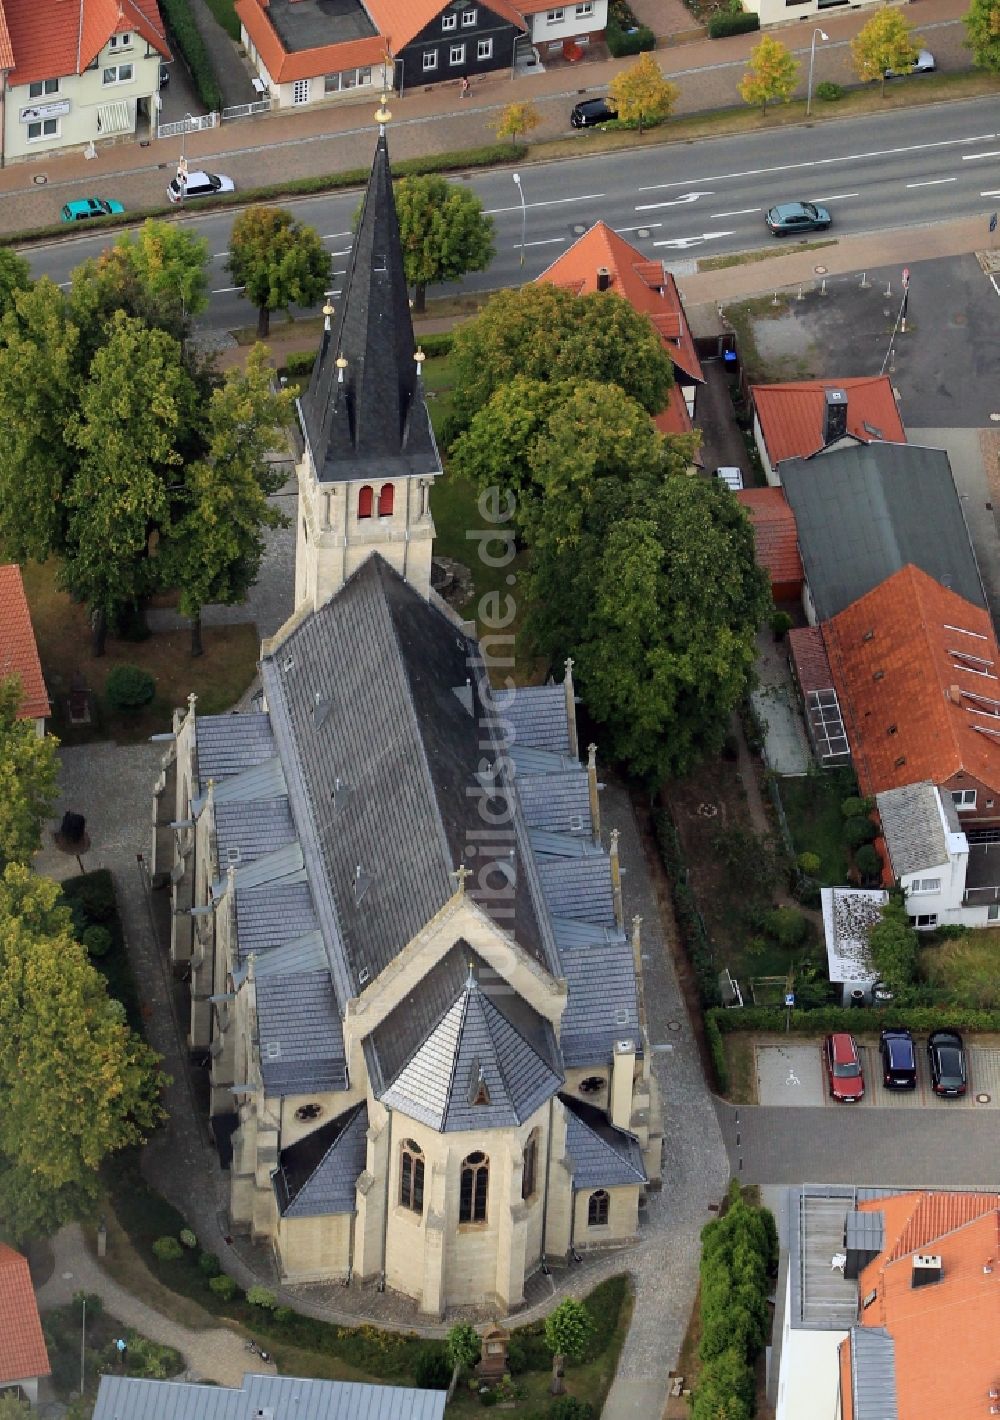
[[835, 197], [640, 227], [545, 242], [336, 236], [675, 201], [972, 157], [225, 290], [740, 212], [682, 243], [989, 194], [550, 202], [931, 182]]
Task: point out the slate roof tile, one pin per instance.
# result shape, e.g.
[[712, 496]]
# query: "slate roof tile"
[[317, 1175], [269, 915], [536, 715], [579, 887], [603, 1002], [227, 744], [558, 802], [602, 1156], [247, 831], [912, 828], [300, 1034]]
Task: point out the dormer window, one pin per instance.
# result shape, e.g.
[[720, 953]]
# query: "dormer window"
[[449, 22], [122, 41]]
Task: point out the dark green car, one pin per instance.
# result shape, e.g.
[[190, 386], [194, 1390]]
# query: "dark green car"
[[790, 217]]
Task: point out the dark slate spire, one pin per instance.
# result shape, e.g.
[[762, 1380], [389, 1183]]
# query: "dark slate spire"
[[364, 413]]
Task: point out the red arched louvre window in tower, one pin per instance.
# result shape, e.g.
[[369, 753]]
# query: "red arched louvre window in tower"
[[366, 497], [385, 500]]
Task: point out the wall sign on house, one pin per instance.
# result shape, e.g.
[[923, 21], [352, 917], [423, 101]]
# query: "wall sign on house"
[[37, 111]]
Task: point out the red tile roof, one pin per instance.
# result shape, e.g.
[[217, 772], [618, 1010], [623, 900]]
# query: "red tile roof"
[[917, 671], [775, 534], [674, 417], [808, 652], [643, 283], [6, 48], [56, 39], [18, 651], [791, 416], [22, 1346]]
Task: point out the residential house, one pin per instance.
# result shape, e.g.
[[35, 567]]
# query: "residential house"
[[865, 511], [818, 697], [128, 1398], [18, 649], [890, 1308], [776, 540], [311, 52], [403, 924], [601, 260], [849, 914], [917, 672], [807, 417], [78, 73], [564, 30], [780, 12], [23, 1357], [946, 879]]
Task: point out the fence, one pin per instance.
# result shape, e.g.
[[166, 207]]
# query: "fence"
[[246, 110], [188, 124]]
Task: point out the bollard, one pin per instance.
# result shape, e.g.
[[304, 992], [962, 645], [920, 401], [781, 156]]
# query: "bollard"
[[888, 289], [865, 283], [822, 289], [800, 296], [774, 300]]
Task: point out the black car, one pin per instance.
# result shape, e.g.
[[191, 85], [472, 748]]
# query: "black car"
[[591, 111], [946, 1053], [899, 1059]]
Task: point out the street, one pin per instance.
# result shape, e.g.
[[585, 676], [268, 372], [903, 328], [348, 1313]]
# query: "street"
[[903, 168]]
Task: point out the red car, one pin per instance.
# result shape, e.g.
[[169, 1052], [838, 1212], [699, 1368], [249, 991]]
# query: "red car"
[[843, 1068]]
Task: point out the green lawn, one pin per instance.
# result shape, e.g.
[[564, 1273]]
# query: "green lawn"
[[226, 15], [965, 971], [812, 808]]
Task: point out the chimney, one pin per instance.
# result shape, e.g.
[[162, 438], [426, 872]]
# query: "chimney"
[[834, 416], [603, 278], [955, 694], [926, 1269]]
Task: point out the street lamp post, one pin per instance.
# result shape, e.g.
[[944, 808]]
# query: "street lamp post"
[[524, 212], [817, 34], [182, 167]]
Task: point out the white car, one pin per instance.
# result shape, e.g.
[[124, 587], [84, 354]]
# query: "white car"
[[200, 185], [923, 64], [731, 477]]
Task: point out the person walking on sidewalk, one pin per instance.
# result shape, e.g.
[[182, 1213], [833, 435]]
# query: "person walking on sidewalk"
[[466, 89]]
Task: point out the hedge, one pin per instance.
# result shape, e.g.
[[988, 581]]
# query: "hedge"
[[719, 26], [624, 42], [180, 22], [823, 1019], [697, 946]]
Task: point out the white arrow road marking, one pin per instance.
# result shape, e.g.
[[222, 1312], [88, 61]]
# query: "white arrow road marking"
[[551, 202], [931, 182], [740, 212], [675, 202], [546, 242], [684, 242], [645, 226]]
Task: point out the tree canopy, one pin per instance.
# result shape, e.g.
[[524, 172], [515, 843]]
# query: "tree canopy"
[[886, 42], [278, 261], [640, 94], [771, 75], [982, 26], [894, 946], [515, 119], [546, 333], [28, 775], [568, 1329], [15, 275], [444, 231], [76, 1083]]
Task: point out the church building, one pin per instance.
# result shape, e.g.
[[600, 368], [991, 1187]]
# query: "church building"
[[400, 913]]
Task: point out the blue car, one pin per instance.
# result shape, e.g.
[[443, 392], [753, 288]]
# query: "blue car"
[[86, 207], [899, 1059], [790, 217]]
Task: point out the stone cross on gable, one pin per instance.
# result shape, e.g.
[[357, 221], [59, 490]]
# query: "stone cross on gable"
[[460, 874]]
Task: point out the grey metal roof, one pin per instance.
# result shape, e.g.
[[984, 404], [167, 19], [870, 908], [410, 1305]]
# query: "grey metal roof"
[[601, 1155], [317, 1174], [563, 845], [873, 1374], [570, 934], [127, 1398], [579, 887], [558, 802], [864, 1231], [257, 781], [247, 831], [228, 743], [537, 717], [369, 419], [603, 1002], [539, 761], [473, 1071], [912, 828], [284, 864], [300, 1035], [271, 914], [385, 781], [306, 953], [866, 511]]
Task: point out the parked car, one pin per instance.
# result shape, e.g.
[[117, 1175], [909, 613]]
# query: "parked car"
[[164, 75], [731, 476], [843, 1068], [590, 111], [200, 185], [946, 1053], [789, 217], [923, 64], [85, 207], [899, 1059]]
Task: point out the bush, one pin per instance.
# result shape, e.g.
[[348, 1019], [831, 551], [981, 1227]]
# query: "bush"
[[209, 1264], [623, 42], [433, 1369], [787, 926], [781, 623], [262, 1297], [223, 1286], [183, 29], [868, 862], [129, 688], [300, 362], [464, 1346], [719, 26], [282, 1315], [96, 941], [717, 1052], [167, 1250], [829, 92], [852, 807], [436, 343], [568, 1407], [188, 1237], [94, 894], [809, 863], [858, 831]]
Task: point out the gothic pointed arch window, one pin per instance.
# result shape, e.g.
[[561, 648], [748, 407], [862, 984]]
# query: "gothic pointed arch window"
[[529, 1166], [366, 499], [474, 1189], [411, 1176], [385, 496], [598, 1205]]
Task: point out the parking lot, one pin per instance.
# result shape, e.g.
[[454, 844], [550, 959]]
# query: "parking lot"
[[794, 1075]]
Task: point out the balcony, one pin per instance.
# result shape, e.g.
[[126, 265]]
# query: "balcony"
[[982, 876]]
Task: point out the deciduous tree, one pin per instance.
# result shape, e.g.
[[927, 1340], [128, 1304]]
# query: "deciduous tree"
[[982, 25], [28, 774], [568, 1329], [278, 261], [15, 275], [515, 119], [771, 75], [894, 946], [886, 42], [640, 94], [445, 232], [76, 1083]]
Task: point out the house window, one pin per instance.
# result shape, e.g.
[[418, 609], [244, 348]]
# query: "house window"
[[583, 12], [484, 49], [925, 885], [449, 22], [963, 798], [597, 1209], [456, 54], [924, 919], [993, 912], [42, 87], [411, 1177], [474, 1189], [469, 18], [300, 91], [529, 1166], [331, 84], [430, 60], [555, 17], [122, 41], [364, 76], [47, 128], [366, 497], [118, 74]]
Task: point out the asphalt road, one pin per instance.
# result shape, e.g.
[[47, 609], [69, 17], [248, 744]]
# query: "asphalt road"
[[903, 168]]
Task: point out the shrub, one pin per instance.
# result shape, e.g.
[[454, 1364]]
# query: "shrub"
[[852, 807], [129, 688], [719, 26], [97, 941], [94, 893], [262, 1297], [300, 362], [829, 92], [623, 42], [809, 863], [781, 623], [858, 831], [464, 1346], [208, 1264], [436, 343], [868, 861], [188, 1237], [568, 1329], [223, 1286], [787, 926], [167, 1250], [717, 1052], [433, 1370], [181, 24], [282, 1315], [568, 1407]]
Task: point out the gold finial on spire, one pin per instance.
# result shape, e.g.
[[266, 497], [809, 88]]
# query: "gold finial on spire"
[[341, 363], [327, 315], [382, 114]]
